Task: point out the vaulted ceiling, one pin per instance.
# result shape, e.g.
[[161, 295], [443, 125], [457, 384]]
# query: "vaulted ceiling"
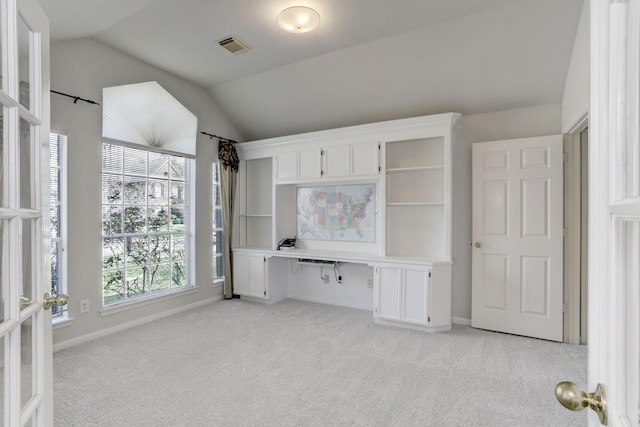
[[369, 60]]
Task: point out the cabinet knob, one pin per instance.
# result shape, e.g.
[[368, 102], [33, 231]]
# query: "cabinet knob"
[[478, 244]]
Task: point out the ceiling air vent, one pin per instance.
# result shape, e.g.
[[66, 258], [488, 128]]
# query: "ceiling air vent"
[[234, 45]]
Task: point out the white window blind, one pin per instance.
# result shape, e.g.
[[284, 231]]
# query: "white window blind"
[[58, 218], [145, 114]]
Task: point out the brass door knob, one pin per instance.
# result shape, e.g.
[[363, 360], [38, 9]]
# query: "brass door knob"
[[478, 244], [572, 397], [50, 300], [24, 303]]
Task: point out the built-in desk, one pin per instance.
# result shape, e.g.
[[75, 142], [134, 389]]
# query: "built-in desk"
[[409, 292]]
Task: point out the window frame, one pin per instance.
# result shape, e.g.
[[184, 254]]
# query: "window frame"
[[59, 314], [188, 185], [217, 229]]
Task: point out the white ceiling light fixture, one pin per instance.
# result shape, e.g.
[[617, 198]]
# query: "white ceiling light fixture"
[[298, 19]]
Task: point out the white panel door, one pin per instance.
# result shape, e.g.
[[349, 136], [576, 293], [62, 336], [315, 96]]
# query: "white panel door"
[[517, 236], [26, 396], [614, 210]]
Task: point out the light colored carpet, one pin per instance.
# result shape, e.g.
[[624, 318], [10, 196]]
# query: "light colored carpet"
[[236, 363]]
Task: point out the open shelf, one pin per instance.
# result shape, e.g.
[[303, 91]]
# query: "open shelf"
[[416, 169], [415, 153], [255, 206], [419, 186], [414, 230], [416, 197]]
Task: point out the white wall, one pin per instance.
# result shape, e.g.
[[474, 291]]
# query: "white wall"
[[83, 68], [304, 283], [509, 124], [575, 100]]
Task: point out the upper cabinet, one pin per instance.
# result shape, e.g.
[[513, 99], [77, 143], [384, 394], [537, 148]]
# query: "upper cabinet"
[[352, 160], [328, 162]]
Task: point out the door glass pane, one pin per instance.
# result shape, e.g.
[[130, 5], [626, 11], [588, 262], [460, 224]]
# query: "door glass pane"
[[3, 269], [630, 273], [2, 151], [2, 370], [27, 257], [27, 359], [24, 53], [26, 168]]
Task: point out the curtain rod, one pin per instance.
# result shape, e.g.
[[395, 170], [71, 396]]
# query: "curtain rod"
[[210, 135], [75, 98]]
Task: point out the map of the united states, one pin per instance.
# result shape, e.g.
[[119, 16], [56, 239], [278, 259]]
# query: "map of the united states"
[[345, 212]]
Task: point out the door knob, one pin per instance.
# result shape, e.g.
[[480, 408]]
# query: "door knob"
[[572, 397], [24, 303], [478, 244], [50, 300]]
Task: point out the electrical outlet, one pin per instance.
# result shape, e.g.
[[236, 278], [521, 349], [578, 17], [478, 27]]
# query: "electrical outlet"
[[325, 278], [84, 306], [370, 283]]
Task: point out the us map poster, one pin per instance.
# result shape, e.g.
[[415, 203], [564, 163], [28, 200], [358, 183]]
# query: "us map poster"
[[339, 212]]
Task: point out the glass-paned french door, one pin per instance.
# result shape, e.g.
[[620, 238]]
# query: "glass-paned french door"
[[25, 328]]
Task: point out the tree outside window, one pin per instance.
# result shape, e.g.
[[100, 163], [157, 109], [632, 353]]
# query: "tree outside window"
[[144, 222]]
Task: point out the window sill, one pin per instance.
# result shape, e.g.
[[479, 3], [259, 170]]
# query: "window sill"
[[218, 282], [144, 301], [61, 322]]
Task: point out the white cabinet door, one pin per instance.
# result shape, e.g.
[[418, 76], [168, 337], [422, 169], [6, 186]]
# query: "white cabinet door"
[[415, 294], [388, 293], [403, 294], [287, 165], [310, 163], [240, 274], [249, 278], [257, 281], [336, 161], [364, 159], [350, 160]]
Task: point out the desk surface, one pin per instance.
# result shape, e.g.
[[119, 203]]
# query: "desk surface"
[[368, 259]]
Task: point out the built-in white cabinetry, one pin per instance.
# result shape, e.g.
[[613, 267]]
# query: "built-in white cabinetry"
[[258, 276], [329, 161], [410, 295], [310, 163], [254, 202], [352, 160], [408, 161], [303, 164], [286, 165], [418, 201]]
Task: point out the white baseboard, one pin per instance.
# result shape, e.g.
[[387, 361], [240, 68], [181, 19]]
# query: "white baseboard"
[[461, 321], [128, 325]]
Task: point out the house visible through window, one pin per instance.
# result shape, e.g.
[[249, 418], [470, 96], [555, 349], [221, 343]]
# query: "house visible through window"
[[145, 223], [218, 271], [58, 219]]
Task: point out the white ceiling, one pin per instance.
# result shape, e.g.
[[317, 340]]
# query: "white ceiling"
[[368, 60]]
